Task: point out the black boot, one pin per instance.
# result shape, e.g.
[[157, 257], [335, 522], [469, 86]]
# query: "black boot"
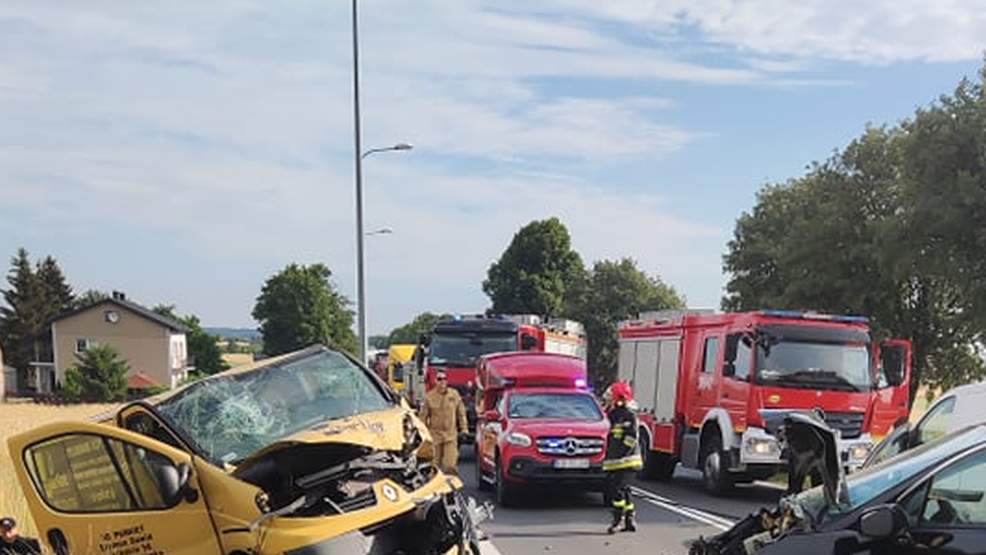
[[630, 521], [617, 517]]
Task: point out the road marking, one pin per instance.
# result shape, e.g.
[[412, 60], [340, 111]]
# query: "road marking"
[[698, 515]]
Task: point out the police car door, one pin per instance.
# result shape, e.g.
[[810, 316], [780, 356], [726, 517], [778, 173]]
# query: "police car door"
[[97, 489]]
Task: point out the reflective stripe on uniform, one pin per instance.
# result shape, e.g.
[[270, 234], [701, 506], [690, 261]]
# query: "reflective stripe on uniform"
[[630, 462], [630, 442], [623, 505]]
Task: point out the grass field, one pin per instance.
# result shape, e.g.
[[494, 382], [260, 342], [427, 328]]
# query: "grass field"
[[20, 417]]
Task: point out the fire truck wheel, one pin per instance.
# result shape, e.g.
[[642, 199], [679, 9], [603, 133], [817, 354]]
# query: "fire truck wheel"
[[657, 466], [506, 493], [481, 482], [715, 476]]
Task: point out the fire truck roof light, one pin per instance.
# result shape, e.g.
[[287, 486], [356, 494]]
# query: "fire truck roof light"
[[814, 316], [579, 382]]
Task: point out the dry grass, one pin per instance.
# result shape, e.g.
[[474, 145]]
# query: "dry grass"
[[14, 419]]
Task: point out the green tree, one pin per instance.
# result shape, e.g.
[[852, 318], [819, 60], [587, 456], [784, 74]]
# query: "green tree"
[[378, 342], [833, 241], [535, 272], [612, 292], [299, 306], [100, 376], [90, 297], [24, 318], [203, 348], [420, 325]]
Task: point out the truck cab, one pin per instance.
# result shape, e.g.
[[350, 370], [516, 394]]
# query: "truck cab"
[[538, 425], [711, 385]]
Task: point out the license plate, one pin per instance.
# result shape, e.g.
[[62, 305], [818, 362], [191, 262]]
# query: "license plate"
[[571, 463]]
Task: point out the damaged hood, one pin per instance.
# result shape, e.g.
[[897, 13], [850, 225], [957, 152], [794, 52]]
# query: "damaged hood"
[[811, 441], [386, 430]]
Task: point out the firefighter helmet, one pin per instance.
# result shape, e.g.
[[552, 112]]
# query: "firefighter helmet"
[[621, 392]]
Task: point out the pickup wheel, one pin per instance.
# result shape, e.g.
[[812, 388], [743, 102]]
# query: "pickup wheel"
[[715, 475], [481, 482], [657, 466], [506, 493]]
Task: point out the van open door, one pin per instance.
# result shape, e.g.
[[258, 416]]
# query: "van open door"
[[93, 488], [891, 403]]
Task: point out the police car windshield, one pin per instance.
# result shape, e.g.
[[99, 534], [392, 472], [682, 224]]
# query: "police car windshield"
[[231, 416], [567, 406], [465, 348]]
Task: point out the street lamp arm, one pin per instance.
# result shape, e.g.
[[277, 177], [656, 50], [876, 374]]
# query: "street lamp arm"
[[398, 146]]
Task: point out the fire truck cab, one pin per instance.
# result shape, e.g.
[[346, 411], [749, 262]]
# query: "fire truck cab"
[[455, 347], [710, 385], [538, 424]]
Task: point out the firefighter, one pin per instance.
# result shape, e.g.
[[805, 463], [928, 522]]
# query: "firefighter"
[[445, 415], [622, 455]]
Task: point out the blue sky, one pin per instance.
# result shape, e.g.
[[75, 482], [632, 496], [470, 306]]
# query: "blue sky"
[[184, 153]]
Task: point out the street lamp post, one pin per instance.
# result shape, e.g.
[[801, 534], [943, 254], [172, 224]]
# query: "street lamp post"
[[359, 155]]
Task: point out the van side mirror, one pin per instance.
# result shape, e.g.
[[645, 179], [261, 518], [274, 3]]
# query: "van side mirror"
[[528, 342], [173, 482], [883, 522]]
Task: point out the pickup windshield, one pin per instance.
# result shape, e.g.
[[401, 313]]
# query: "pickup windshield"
[[464, 348], [554, 405], [810, 365], [231, 416]]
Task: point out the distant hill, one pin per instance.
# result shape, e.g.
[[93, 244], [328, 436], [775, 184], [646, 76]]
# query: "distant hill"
[[246, 334]]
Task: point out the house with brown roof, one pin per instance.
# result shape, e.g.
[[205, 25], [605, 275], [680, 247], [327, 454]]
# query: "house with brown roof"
[[153, 345]]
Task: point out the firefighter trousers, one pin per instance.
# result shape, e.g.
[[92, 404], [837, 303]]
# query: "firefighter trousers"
[[447, 456]]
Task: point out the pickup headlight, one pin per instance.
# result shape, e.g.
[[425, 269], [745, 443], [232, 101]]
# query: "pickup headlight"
[[519, 439]]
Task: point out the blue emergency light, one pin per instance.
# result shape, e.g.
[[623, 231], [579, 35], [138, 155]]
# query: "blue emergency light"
[[814, 316]]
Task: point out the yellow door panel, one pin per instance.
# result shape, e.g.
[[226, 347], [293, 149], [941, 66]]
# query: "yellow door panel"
[[95, 488]]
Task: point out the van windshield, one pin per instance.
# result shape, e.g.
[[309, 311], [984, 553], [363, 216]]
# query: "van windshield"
[[554, 405], [231, 416]]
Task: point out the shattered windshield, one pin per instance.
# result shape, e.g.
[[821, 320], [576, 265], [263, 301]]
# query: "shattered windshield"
[[835, 366], [465, 348], [232, 416], [868, 484]]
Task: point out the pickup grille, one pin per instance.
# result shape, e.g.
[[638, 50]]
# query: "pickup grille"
[[570, 446], [849, 424]]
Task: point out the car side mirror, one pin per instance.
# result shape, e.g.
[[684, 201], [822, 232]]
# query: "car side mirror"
[[882, 522], [528, 342], [492, 416], [174, 483]]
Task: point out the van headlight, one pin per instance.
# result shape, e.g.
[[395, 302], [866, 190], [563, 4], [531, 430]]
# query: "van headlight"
[[519, 439]]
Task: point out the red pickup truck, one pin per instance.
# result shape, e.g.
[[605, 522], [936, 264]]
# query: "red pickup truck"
[[538, 424]]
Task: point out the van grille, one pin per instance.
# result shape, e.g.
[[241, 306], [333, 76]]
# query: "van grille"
[[849, 424], [570, 446]]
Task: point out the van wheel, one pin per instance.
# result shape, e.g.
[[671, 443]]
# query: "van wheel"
[[506, 493], [481, 482], [715, 476], [657, 466]]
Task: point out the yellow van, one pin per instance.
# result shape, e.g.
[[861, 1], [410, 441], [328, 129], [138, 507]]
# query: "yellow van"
[[303, 454], [400, 357]]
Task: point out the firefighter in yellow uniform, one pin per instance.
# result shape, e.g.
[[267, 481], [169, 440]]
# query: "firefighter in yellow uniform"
[[445, 415]]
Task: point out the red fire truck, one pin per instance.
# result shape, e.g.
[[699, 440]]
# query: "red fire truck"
[[708, 385], [455, 347], [538, 424]]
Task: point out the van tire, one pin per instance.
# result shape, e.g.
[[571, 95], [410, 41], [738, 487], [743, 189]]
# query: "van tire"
[[715, 475]]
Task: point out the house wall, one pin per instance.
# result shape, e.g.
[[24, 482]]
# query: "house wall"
[[144, 344]]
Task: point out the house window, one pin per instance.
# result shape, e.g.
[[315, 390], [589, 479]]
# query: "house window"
[[82, 345]]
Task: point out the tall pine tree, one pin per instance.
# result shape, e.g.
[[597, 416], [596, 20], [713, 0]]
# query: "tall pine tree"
[[22, 320]]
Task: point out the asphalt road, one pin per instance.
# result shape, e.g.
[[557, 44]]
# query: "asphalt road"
[[669, 515]]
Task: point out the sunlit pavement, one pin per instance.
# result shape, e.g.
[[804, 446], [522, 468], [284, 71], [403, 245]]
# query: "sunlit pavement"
[[669, 515]]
